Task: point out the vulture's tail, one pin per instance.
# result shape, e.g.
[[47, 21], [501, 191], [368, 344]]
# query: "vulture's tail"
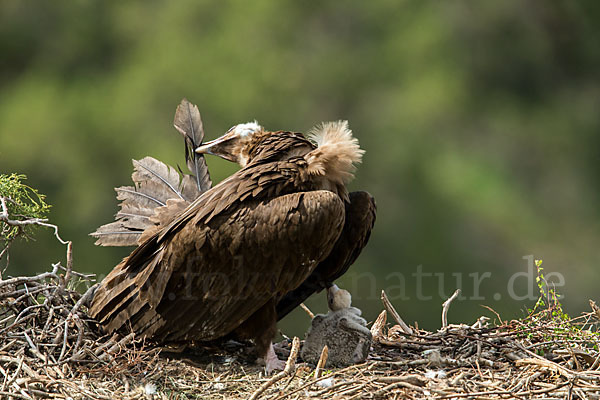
[[160, 191]]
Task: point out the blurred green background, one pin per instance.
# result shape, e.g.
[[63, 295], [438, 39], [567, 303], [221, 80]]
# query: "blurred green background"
[[480, 121]]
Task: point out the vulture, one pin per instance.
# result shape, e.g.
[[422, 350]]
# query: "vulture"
[[342, 330], [229, 261]]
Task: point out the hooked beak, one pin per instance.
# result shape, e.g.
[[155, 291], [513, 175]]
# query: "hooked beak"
[[331, 291], [231, 146], [333, 288], [223, 147]]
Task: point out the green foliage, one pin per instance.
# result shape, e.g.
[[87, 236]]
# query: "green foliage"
[[549, 297], [22, 203], [548, 323]]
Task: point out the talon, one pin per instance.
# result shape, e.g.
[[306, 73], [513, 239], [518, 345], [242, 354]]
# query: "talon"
[[272, 362]]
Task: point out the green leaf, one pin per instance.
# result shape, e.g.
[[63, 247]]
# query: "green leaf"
[[22, 202]]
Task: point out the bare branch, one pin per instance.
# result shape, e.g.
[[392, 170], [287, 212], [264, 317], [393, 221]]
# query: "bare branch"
[[377, 328], [322, 361], [388, 306], [446, 306], [290, 367], [310, 313]]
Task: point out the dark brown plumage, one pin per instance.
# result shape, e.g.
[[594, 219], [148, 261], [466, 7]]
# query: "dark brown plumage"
[[359, 221], [261, 237]]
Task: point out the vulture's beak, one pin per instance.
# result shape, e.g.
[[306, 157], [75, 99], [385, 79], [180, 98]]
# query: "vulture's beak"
[[232, 145], [226, 147], [331, 291]]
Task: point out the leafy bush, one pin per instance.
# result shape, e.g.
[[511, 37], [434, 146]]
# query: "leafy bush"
[[21, 205]]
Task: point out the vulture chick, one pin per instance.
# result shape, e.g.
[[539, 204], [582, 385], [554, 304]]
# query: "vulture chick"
[[222, 266], [342, 330]]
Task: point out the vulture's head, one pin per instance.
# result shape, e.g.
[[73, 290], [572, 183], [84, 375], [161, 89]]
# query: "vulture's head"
[[250, 142], [337, 298], [236, 144], [332, 154]]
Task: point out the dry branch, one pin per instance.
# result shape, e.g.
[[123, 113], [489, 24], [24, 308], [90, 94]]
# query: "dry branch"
[[305, 308], [388, 306], [446, 306], [322, 361], [289, 369]]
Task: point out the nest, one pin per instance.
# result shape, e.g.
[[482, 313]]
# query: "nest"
[[48, 343], [50, 348]]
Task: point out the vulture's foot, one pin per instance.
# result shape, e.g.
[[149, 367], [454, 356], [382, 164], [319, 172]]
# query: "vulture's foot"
[[272, 362]]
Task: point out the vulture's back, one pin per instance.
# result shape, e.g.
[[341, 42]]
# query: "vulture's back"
[[208, 278]]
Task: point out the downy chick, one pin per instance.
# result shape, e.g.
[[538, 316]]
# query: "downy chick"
[[342, 329]]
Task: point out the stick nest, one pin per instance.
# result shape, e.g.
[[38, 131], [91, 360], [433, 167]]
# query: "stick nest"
[[50, 348]]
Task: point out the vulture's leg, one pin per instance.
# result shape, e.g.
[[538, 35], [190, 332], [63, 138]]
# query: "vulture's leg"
[[360, 218], [271, 361], [262, 327]]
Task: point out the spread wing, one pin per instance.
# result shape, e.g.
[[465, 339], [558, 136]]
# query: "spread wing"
[[360, 218], [240, 244]]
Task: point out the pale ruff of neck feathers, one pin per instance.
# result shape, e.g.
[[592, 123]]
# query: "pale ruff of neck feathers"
[[336, 153]]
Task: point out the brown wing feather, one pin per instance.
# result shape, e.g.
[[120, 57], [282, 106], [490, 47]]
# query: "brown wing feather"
[[360, 218], [248, 183], [225, 270]]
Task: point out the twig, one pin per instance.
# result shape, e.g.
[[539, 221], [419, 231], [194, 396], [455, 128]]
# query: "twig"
[[34, 348], [5, 251], [377, 328], [494, 311], [15, 395], [446, 306], [507, 392], [392, 386], [478, 325], [310, 313], [85, 298], [79, 336], [5, 384], [64, 345], [322, 361], [290, 367], [388, 305], [120, 344], [79, 274], [4, 217], [331, 388], [546, 364], [596, 363], [24, 279], [28, 370], [65, 279], [313, 381]]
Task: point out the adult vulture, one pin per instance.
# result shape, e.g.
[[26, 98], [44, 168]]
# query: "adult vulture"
[[245, 252]]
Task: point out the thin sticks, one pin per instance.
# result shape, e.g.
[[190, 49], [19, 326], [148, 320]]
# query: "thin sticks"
[[289, 369], [446, 306], [377, 328], [388, 306], [305, 308], [322, 362]]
